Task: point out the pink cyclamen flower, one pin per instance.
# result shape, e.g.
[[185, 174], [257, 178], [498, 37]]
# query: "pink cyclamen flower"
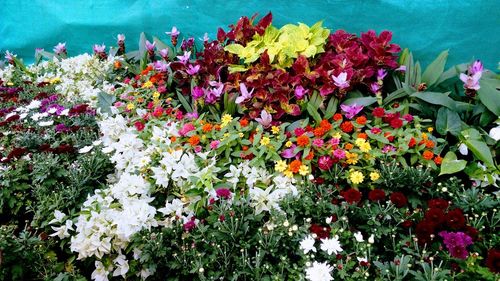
[[174, 32], [214, 144], [192, 70], [245, 94], [476, 67], [60, 48], [471, 81], [265, 119], [351, 110], [341, 80], [300, 92], [374, 87], [160, 66], [289, 152]]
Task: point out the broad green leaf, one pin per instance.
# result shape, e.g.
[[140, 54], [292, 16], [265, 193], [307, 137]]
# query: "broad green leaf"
[[364, 101], [451, 165], [399, 93], [452, 72], [105, 101], [490, 95], [331, 107], [236, 49], [472, 138], [142, 44], [436, 98], [448, 121], [314, 113], [435, 69]]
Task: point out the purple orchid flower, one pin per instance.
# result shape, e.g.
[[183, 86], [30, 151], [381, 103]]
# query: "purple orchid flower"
[[184, 58], [173, 32], [120, 38], [476, 67], [245, 95], [381, 73], [197, 92], [213, 94], [164, 53], [341, 80], [192, 115], [289, 152], [160, 66], [192, 70], [374, 87], [150, 47], [98, 49], [265, 119], [471, 82], [60, 48], [351, 110], [401, 68], [300, 92]]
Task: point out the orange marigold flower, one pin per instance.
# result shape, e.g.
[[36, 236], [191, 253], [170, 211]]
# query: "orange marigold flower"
[[362, 136], [173, 138], [346, 127], [325, 125], [194, 140], [295, 166], [140, 99], [337, 116], [207, 128], [148, 69], [438, 160], [303, 140], [348, 146], [361, 120], [243, 122], [117, 64], [310, 156], [428, 155], [217, 127], [244, 148], [319, 132], [429, 144]]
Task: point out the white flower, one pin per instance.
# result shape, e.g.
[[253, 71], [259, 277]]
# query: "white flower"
[[46, 123], [359, 236], [362, 259], [463, 149], [319, 272], [331, 245], [371, 239], [62, 231], [121, 266], [495, 133], [34, 104], [265, 200], [58, 217], [307, 244], [176, 206], [85, 149], [100, 273]]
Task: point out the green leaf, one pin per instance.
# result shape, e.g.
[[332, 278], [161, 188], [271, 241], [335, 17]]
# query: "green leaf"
[[105, 101], [435, 69], [452, 72], [472, 138], [436, 98], [399, 93], [364, 101], [314, 113], [490, 95], [448, 121], [451, 165], [331, 107], [184, 102], [142, 44]]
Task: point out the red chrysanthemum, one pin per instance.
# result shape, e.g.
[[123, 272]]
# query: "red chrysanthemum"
[[376, 195], [455, 219], [352, 196], [399, 199]]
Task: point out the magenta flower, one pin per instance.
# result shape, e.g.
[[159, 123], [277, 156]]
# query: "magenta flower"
[[197, 92], [351, 110], [192, 70], [160, 66], [213, 94], [192, 115], [318, 142], [325, 162], [339, 153], [471, 82], [375, 130], [289, 152], [265, 119], [164, 53], [476, 67], [150, 47], [245, 95], [334, 141], [60, 48], [408, 117], [184, 58], [388, 148], [374, 87], [174, 32], [300, 92], [214, 144], [186, 129], [223, 193], [98, 49], [381, 73], [456, 243], [341, 80], [190, 225]]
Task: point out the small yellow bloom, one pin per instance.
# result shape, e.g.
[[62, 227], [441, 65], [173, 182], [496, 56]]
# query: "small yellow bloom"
[[280, 166], [303, 170], [241, 135], [226, 119], [10, 84], [226, 135], [359, 142], [55, 80], [203, 137], [156, 94], [356, 177], [288, 144], [424, 136], [365, 147], [352, 158], [288, 173], [265, 141], [337, 135], [374, 176], [147, 84], [430, 129], [130, 106], [275, 130]]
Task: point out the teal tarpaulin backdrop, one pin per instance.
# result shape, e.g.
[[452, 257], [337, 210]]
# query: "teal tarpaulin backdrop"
[[468, 28]]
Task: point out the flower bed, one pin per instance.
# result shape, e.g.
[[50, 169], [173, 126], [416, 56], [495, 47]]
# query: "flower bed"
[[267, 154]]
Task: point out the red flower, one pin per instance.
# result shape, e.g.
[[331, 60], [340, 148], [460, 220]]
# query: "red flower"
[[139, 126], [322, 232], [325, 163], [223, 193], [438, 203], [376, 195], [455, 219], [346, 127], [435, 216], [407, 224], [412, 143], [64, 148], [399, 199], [472, 232], [378, 112], [493, 260], [396, 123], [337, 117], [352, 196], [424, 230]]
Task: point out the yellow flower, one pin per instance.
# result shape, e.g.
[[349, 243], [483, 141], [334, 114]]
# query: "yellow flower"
[[265, 141], [156, 95], [303, 170], [288, 144], [359, 142], [365, 147], [424, 136], [226, 119], [55, 80], [430, 129], [275, 130], [280, 166], [337, 135], [10, 84], [130, 106], [203, 137], [147, 84], [226, 135], [374, 176], [288, 173], [241, 135], [352, 158], [356, 177]]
